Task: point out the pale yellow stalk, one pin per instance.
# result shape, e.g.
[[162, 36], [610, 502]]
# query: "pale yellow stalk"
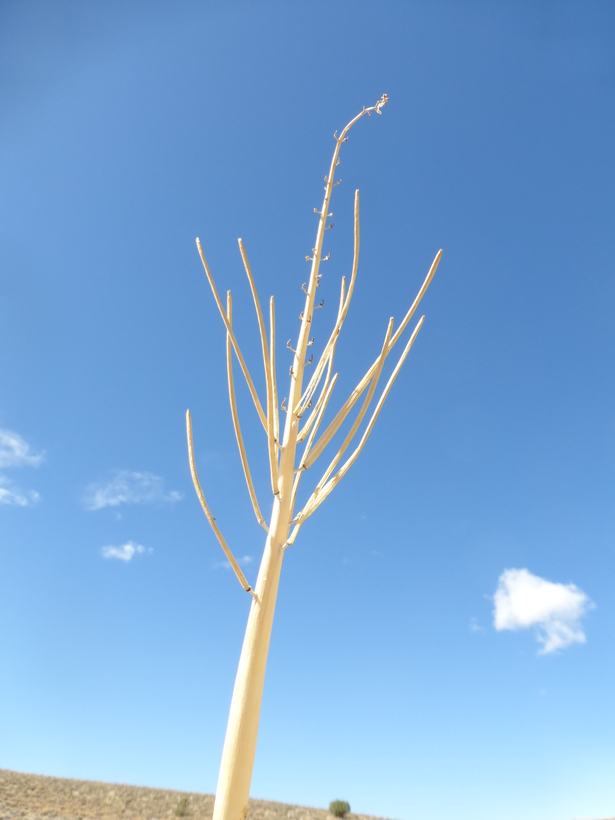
[[242, 730]]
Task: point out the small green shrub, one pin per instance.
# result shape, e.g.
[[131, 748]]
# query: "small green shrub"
[[181, 810], [339, 808]]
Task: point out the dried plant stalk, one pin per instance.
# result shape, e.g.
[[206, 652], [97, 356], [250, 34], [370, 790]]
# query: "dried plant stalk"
[[242, 730]]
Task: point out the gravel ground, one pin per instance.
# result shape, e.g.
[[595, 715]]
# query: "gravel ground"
[[34, 797]]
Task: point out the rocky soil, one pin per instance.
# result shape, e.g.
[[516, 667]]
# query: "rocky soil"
[[34, 797]]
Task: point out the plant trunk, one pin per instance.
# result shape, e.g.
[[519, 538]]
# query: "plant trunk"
[[241, 734]]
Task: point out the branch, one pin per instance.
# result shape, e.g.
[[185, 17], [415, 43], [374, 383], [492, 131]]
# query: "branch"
[[361, 414], [229, 330], [419, 296], [313, 383], [234, 414], [273, 460], [321, 413], [212, 521], [358, 391], [294, 533], [315, 502], [299, 472], [274, 381], [293, 495]]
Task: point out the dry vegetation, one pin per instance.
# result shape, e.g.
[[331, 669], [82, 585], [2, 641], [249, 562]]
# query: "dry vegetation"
[[34, 797]]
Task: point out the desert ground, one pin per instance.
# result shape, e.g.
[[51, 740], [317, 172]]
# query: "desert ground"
[[35, 797]]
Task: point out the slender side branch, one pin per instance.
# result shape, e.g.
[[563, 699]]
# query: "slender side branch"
[[314, 414], [273, 459], [293, 496], [274, 380], [212, 521], [339, 419], [315, 502], [234, 414], [417, 300], [361, 414], [358, 391], [229, 330], [313, 383], [321, 412]]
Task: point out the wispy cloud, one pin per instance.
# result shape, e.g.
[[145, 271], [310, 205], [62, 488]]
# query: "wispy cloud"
[[15, 451], [126, 552], [14, 496], [523, 600], [475, 626], [128, 487], [244, 561]]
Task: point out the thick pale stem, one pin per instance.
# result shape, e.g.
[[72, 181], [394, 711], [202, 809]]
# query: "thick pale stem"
[[242, 730], [235, 415]]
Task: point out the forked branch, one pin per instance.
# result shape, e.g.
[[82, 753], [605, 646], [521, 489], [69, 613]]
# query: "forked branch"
[[316, 499], [366, 402], [229, 330], [359, 389]]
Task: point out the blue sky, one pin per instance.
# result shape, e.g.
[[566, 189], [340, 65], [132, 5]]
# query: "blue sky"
[[484, 497]]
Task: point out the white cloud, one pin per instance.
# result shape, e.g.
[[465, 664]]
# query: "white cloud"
[[475, 626], [125, 552], [15, 451], [14, 496], [523, 600], [128, 487]]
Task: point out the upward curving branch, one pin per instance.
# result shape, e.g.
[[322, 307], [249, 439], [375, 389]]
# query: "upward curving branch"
[[316, 499], [235, 416], [358, 391], [212, 521], [366, 402], [229, 330], [274, 380], [273, 460]]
